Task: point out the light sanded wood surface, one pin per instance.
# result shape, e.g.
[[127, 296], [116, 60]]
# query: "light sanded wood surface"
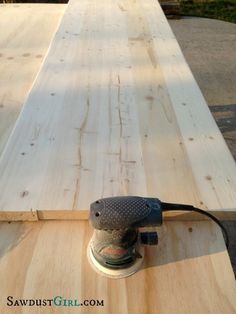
[[115, 110], [25, 34], [188, 272]]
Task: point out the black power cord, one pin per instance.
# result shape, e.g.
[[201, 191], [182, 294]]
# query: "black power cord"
[[181, 207]]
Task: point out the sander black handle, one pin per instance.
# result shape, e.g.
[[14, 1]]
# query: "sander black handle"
[[124, 212]]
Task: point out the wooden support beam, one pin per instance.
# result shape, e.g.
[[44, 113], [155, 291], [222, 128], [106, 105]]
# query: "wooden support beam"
[[114, 110]]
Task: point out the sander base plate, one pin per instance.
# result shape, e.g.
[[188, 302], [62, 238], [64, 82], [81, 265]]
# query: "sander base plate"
[[115, 273]]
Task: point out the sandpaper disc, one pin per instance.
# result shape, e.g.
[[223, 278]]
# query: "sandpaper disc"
[[114, 273]]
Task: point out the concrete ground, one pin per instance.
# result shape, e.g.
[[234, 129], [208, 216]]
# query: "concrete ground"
[[209, 47]]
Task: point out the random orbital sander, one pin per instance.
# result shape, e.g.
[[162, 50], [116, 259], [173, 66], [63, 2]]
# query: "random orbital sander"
[[116, 249]]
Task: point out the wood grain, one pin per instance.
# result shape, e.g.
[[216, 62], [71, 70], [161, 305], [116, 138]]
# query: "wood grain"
[[115, 110], [188, 272], [225, 117], [21, 54]]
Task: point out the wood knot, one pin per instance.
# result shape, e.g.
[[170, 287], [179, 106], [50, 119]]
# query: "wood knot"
[[24, 193]]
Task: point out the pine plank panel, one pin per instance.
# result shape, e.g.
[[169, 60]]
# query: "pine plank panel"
[[21, 54], [115, 110], [188, 272], [212, 164]]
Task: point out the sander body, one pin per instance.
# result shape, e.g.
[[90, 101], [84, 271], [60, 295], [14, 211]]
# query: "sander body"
[[116, 248]]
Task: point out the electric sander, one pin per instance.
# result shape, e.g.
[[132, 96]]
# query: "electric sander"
[[116, 249]]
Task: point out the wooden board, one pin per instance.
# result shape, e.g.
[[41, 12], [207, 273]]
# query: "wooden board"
[[41, 260], [188, 272], [21, 54], [225, 117], [115, 110]]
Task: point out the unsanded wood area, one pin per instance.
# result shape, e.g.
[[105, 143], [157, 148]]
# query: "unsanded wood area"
[[188, 272], [25, 34], [115, 110]]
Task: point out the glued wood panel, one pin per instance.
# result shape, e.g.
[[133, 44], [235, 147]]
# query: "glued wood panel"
[[114, 110], [25, 34], [188, 272]]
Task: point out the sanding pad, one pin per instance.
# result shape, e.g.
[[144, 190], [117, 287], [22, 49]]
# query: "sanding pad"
[[114, 273]]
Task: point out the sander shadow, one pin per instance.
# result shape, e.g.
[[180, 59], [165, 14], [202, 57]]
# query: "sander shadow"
[[180, 241]]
